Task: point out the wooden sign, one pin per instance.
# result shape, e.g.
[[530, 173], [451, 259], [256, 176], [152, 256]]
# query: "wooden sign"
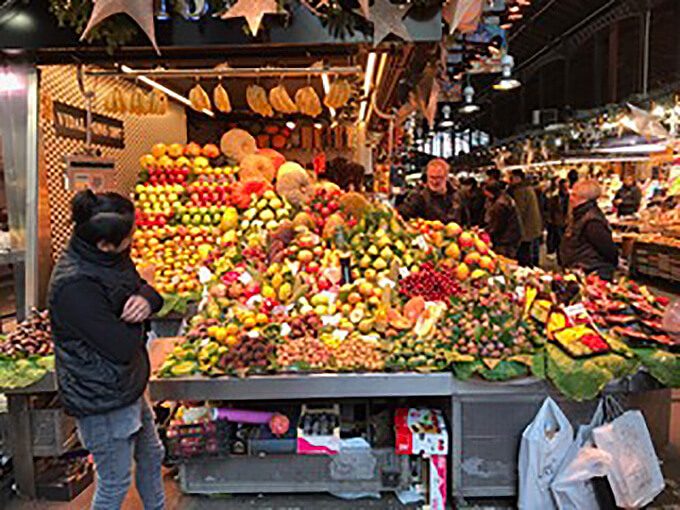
[[70, 121]]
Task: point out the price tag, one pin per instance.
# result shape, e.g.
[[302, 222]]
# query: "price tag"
[[577, 314], [285, 329], [421, 242], [340, 334], [386, 282], [330, 320], [404, 272], [245, 278], [204, 275]]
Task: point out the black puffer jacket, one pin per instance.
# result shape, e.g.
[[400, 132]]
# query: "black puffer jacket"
[[101, 362]]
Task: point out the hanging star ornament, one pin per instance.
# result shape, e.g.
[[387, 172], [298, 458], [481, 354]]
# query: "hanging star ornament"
[[386, 19], [253, 11], [141, 11], [363, 8], [644, 123]]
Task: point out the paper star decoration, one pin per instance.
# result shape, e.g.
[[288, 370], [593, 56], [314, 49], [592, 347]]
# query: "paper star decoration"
[[462, 15], [386, 19], [141, 11], [363, 7], [253, 11], [644, 123]]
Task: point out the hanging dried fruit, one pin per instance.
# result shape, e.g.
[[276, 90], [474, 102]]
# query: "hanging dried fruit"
[[281, 100], [199, 98], [308, 101], [338, 94], [221, 99], [256, 97], [158, 102]]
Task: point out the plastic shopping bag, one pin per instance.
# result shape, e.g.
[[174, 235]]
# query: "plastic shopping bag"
[[572, 488], [635, 476], [544, 444]]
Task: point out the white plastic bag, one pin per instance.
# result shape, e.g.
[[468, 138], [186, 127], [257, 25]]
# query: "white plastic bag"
[[544, 444], [572, 487], [635, 476]]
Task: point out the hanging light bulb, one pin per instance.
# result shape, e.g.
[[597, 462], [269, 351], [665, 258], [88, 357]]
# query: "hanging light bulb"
[[447, 122], [469, 95], [507, 82]]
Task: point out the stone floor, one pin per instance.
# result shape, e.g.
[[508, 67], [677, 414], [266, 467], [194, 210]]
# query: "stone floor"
[[669, 500]]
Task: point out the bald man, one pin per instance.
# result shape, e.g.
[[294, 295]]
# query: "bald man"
[[587, 242], [437, 200]]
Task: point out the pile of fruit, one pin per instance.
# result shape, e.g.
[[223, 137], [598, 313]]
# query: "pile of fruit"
[[300, 276]]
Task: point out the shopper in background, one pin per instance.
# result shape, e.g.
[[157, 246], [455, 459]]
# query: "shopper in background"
[[572, 177], [493, 175], [530, 218], [437, 199], [473, 202], [628, 198], [557, 208], [587, 242], [502, 220], [98, 305]]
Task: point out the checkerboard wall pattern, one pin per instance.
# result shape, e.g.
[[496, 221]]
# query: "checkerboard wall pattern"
[[59, 83]]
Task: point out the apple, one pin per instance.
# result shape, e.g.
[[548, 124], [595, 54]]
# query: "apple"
[[466, 240]]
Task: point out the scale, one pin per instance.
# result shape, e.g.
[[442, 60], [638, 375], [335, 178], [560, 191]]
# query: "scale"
[[87, 169]]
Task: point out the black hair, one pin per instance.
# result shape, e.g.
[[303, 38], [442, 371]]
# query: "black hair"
[[494, 188], [107, 217], [518, 173], [572, 176], [346, 174], [494, 173]]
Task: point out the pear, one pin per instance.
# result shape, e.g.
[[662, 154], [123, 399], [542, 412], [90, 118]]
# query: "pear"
[[372, 250], [365, 262]]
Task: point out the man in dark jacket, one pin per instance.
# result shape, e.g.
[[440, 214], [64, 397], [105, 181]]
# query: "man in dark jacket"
[[628, 198], [587, 244], [437, 200], [557, 208], [473, 203], [530, 218], [502, 220]]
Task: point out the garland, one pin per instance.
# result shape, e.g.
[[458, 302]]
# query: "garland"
[[113, 32]]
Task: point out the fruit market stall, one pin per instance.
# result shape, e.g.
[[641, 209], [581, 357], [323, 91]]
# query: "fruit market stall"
[[311, 293]]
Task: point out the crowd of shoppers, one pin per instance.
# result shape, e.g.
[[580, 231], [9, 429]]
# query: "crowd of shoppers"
[[519, 213]]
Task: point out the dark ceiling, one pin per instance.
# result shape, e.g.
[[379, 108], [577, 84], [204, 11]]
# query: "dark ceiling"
[[580, 54]]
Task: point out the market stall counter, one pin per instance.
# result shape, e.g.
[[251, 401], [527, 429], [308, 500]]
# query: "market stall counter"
[[485, 420]]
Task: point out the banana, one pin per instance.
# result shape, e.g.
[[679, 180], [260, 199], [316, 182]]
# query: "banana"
[[281, 100], [308, 102], [199, 99]]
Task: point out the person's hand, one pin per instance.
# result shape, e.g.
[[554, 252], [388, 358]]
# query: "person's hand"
[[136, 310]]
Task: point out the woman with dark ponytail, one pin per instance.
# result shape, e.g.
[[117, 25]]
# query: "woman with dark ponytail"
[[98, 306]]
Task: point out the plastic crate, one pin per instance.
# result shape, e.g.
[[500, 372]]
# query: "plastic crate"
[[57, 486], [51, 431]]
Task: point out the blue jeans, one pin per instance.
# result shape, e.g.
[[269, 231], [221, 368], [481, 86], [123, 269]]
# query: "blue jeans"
[[114, 439]]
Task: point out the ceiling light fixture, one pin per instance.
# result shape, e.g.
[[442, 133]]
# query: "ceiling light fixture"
[[290, 125], [507, 82], [171, 93], [318, 125], [469, 95]]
